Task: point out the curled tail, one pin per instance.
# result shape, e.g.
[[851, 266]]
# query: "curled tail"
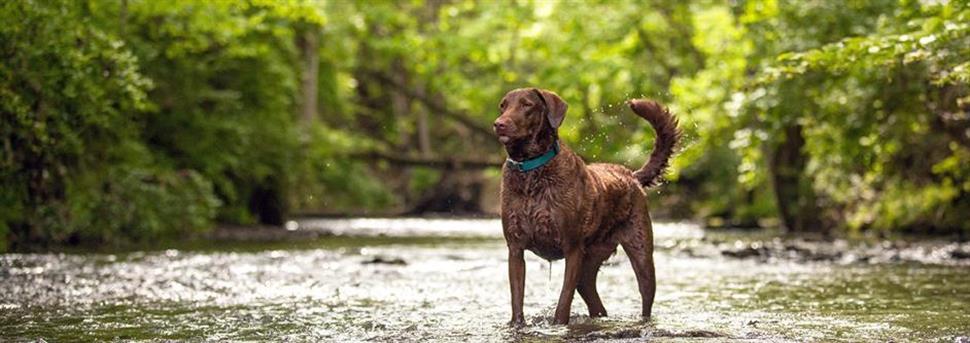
[[665, 124]]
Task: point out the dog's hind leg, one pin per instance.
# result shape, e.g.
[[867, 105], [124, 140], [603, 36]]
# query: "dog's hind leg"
[[595, 255], [637, 242]]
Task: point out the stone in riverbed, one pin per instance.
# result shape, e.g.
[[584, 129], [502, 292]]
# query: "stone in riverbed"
[[394, 261], [960, 254]]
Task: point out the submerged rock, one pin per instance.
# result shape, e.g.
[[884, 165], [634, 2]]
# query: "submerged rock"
[[627, 333], [688, 334], [394, 261], [961, 255], [746, 252]]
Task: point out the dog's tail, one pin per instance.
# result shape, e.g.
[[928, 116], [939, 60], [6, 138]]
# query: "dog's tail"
[[665, 124]]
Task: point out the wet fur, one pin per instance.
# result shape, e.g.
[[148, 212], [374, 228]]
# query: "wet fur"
[[567, 209]]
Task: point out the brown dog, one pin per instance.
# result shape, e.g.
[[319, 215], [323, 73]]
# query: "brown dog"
[[556, 206]]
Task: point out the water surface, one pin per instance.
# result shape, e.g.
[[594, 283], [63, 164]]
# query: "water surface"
[[445, 280]]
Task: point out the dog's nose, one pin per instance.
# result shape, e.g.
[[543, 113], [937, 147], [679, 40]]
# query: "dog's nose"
[[500, 125]]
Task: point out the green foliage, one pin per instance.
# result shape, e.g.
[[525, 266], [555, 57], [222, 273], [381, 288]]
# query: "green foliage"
[[167, 115], [142, 128], [330, 181], [225, 82], [882, 114], [132, 204], [937, 37], [68, 95]]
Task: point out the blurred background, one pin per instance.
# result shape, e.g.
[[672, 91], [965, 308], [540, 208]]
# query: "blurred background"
[[132, 120]]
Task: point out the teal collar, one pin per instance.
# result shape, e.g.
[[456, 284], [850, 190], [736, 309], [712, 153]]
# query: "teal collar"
[[537, 162]]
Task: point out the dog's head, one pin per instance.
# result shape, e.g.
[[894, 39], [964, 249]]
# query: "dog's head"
[[528, 113]]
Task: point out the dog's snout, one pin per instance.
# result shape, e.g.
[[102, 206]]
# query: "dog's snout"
[[500, 125]]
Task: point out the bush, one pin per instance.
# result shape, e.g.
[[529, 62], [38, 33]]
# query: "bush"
[[130, 204]]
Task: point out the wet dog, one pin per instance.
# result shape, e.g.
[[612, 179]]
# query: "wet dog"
[[556, 206]]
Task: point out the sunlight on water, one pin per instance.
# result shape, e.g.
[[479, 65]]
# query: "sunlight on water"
[[423, 279], [406, 226], [488, 227]]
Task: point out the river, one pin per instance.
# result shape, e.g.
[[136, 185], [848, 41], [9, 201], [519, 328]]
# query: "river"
[[445, 280]]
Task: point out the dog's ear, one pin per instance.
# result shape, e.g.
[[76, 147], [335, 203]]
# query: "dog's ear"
[[555, 106]]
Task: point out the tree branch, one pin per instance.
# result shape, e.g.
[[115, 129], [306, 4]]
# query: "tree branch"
[[436, 106], [449, 164]]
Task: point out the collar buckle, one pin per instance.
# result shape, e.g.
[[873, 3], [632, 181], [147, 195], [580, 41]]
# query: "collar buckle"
[[515, 164]]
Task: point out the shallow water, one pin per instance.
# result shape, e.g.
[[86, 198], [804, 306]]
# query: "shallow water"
[[445, 280]]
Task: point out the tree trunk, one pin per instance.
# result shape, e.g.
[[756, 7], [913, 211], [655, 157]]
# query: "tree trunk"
[[123, 18], [794, 194], [424, 133], [309, 51]]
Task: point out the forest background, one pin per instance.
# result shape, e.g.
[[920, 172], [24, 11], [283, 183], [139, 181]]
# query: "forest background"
[[133, 120]]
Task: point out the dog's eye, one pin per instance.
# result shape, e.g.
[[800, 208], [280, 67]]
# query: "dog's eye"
[[527, 103]]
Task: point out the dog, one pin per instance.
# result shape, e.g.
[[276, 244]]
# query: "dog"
[[556, 206]]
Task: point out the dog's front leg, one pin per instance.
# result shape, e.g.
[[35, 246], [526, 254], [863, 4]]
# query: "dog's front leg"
[[517, 283], [574, 265]]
